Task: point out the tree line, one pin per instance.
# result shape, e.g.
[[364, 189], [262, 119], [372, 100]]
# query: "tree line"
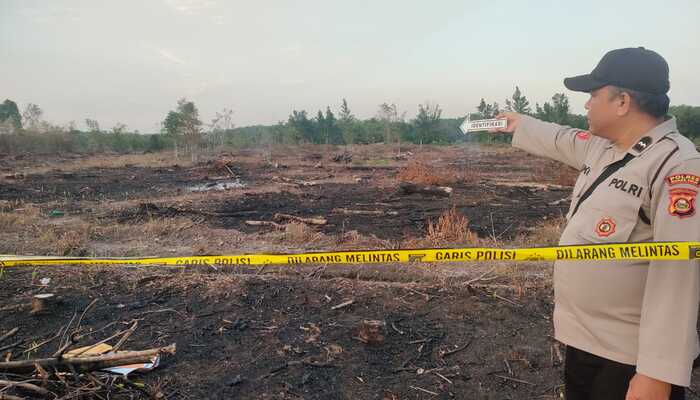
[[183, 130]]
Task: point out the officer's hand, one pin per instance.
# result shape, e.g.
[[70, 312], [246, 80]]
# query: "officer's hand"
[[643, 387], [513, 119]]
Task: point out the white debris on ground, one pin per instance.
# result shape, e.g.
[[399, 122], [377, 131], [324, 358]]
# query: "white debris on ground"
[[226, 185]]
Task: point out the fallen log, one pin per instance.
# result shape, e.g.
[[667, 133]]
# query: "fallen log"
[[309, 221], [86, 364], [296, 181], [264, 223], [363, 212], [410, 188], [531, 185]]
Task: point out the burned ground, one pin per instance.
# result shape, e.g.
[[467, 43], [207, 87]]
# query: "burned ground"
[[464, 331], [253, 337], [494, 209], [491, 209]]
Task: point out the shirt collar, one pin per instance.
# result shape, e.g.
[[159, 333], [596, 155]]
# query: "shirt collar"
[[652, 136]]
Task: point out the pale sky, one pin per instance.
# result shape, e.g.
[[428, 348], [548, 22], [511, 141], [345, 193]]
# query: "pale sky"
[[130, 60]]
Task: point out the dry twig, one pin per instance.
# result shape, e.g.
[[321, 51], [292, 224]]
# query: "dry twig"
[[8, 334], [26, 386], [445, 353], [343, 304]]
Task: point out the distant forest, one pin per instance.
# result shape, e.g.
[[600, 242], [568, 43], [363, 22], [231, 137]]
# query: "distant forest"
[[183, 131]]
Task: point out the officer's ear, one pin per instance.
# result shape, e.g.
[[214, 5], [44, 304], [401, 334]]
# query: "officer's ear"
[[622, 101]]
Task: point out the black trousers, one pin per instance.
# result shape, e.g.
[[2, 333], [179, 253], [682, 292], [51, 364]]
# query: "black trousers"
[[589, 377]]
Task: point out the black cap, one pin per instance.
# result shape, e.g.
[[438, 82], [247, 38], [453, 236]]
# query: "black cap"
[[633, 68]]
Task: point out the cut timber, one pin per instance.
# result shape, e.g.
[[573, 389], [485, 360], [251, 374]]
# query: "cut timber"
[[309, 221], [264, 223], [363, 212], [530, 185], [85, 364], [410, 188]]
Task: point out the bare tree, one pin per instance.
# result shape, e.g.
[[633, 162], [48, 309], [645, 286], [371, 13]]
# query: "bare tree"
[[93, 125], [389, 115], [119, 128], [31, 117], [220, 124]]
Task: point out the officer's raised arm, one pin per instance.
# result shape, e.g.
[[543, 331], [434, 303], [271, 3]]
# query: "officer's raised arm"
[[547, 139]]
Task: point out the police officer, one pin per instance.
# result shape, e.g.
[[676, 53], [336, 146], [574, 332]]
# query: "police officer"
[[629, 326]]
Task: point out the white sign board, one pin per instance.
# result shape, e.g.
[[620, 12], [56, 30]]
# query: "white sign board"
[[482, 125]]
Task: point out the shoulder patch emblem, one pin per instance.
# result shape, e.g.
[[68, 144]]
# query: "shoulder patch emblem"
[[688, 179], [605, 227], [583, 135], [642, 144], [682, 202]]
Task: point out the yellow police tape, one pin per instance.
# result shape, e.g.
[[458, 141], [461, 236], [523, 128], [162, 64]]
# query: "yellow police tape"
[[622, 251]]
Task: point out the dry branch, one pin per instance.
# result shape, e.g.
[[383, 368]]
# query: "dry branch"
[[11, 345], [126, 336], [343, 304], [25, 386], [8, 334], [126, 333]]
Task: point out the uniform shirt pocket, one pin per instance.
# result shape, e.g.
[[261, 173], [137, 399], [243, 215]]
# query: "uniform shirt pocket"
[[608, 218]]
